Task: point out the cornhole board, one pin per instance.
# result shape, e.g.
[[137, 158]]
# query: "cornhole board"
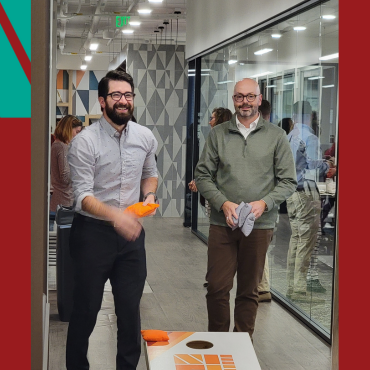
[[230, 351]]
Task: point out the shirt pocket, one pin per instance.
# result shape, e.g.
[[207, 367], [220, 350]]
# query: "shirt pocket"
[[134, 165]]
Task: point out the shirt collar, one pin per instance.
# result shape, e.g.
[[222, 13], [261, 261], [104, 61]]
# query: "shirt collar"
[[110, 130], [252, 126]]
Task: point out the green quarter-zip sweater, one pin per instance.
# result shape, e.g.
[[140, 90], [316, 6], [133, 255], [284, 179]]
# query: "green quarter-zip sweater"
[[235, 169]]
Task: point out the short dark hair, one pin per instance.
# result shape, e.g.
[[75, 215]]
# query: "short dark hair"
[[114, 75], [265, 108]]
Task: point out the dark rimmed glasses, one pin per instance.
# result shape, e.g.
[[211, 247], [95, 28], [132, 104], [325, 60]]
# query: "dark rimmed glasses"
[[117, 95], [240, 97]]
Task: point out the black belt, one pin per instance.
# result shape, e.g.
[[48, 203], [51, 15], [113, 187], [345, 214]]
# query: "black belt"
[[92, 220]]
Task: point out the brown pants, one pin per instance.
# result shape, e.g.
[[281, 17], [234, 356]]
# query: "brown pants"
[[230, 252]]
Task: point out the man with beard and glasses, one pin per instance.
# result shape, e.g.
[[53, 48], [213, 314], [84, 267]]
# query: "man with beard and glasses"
[[246, 159], [111, 162]]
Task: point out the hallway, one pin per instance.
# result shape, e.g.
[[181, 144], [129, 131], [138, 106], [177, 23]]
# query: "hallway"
[[174, 300]]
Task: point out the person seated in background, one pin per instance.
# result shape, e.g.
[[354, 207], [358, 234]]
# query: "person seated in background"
[[68, 127]]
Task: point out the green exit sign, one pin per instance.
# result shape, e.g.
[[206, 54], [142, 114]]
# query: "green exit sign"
[[122, 21]]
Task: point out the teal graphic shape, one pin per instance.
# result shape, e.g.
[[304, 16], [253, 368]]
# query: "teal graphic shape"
[[15, 89]]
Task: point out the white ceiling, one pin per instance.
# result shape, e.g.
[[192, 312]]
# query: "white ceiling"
[[79, 21]]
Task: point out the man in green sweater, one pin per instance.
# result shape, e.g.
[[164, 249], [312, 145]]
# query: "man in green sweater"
[[246, 159]]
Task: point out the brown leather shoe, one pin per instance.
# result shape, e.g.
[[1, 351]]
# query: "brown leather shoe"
[[264, 297]]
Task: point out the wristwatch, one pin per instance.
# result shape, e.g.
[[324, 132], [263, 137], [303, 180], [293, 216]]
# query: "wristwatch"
[[155, 197]]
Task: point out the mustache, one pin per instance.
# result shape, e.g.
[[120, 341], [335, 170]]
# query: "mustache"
[[246, 106], [120, 105]]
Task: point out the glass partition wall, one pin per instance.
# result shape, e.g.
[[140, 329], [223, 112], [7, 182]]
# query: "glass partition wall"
[[295, 60]]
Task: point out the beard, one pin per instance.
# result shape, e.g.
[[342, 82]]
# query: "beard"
[[253, 110], [120, 119]]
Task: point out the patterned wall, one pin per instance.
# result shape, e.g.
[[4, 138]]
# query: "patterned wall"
[[160, 104]]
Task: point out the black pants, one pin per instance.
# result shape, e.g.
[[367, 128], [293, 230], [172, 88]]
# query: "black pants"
[[99, 254]]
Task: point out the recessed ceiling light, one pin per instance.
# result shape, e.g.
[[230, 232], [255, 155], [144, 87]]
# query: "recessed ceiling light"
[[299, 28], [270, 86], [83, 65], [88, 56], [233, 59], [127, 31], [276, 35], [155, 1], [289, 83], [262, 51], [93, 45], [331, 56], [144, 10], [262, 74], [326, 86], [329, 16], [134, 21], [224, 82], [315, 78]]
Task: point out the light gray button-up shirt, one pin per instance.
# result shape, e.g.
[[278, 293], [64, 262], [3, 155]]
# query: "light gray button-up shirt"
[[110, 167]]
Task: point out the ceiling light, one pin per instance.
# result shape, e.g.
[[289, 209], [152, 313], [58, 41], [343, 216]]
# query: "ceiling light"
[[93, 44], [191, 75], [262, 51], [155, 1], [134, 21], [329, 16], [88, 56], [144, 9], [127, 30], [224, 82], [233, 59], [262, 74], [326, 86], [191, 70], [315, 78], [270, 86], [83, 65], [289, 83], [331, 56], [276, 35], [299, 28]]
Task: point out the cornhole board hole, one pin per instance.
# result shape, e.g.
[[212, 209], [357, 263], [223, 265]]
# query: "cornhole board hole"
[[202, 351]]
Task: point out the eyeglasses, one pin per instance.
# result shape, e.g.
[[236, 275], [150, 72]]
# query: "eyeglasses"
[[117, 95], [240, 97]]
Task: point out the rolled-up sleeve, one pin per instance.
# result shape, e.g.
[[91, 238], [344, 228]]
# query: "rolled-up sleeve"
[[81, 160], [150, 164]]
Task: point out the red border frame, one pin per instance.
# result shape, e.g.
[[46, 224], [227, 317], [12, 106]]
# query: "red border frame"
[[354, 244]]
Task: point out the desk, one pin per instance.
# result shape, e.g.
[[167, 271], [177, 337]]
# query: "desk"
[[230, 351]]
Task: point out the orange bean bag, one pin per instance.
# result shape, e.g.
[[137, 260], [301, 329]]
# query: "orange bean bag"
[[139, 210], [155, 335]]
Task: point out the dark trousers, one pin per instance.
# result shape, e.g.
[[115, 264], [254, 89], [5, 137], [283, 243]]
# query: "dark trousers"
[[99, 254], [231, 252]]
